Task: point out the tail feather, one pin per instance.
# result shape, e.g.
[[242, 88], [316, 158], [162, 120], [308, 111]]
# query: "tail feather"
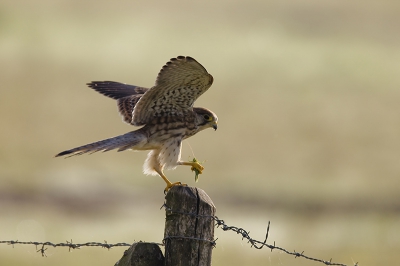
[[122, 142], [126, 147]]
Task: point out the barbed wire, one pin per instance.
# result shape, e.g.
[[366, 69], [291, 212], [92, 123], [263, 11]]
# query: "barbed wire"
[[68, 244], [253, 242], [219, 224]]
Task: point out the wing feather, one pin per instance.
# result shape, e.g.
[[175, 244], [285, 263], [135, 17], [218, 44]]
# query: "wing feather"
[[180, 82], [116, 90], [126, 95], [126, 106]]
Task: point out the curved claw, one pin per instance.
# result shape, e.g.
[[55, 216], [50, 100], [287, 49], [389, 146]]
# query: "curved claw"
[[170, 185]]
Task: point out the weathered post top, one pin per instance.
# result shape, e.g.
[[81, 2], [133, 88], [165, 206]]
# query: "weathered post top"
[[189, 227]]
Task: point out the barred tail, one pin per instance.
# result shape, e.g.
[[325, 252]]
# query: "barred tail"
[[122, 142]]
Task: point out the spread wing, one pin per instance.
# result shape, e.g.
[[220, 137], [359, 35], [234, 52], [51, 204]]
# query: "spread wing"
[[180, 82], [116, 90], [126, 95]]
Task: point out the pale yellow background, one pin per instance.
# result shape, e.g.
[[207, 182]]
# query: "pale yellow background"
[[308, 97]]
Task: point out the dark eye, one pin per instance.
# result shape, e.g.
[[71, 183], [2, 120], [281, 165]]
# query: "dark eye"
[[207, 117]]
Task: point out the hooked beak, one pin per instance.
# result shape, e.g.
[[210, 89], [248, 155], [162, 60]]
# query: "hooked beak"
[[214, 126]]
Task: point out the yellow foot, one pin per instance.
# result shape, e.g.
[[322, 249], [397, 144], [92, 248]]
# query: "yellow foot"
[[170, 185], [196, 167]]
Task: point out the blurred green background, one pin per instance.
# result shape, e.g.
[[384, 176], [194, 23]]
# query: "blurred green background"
[[308, 99]]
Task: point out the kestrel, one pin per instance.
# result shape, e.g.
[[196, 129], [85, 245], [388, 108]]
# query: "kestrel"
[[166, 113]]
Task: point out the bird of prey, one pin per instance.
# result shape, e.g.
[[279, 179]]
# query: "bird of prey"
[[165, 112]]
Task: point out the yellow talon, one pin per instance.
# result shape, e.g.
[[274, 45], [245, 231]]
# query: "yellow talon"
[[170, 185]]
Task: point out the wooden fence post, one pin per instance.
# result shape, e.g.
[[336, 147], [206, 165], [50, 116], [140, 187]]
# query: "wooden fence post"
[[188, 238], [188, 234]]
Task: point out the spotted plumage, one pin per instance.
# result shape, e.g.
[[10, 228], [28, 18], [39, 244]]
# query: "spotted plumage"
[[165, 111]]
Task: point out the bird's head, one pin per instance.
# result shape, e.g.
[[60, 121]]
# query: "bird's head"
[[205, 118]]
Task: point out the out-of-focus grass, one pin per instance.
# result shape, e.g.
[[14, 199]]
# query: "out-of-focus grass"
[[307, 94]]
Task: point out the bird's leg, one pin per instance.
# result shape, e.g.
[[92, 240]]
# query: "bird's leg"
[[169, 184], [194, 165]]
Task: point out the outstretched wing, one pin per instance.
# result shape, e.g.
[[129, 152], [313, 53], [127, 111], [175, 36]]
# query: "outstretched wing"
[[126, 95], [116, 90], [180, 82]]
